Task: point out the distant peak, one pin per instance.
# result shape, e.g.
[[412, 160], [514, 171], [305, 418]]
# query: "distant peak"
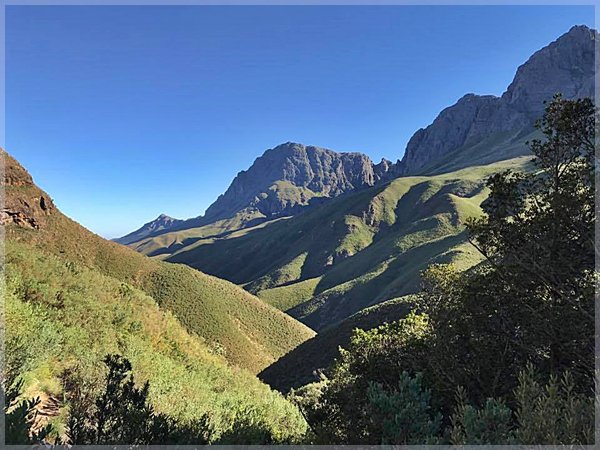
[[164, 217], [579, 28]]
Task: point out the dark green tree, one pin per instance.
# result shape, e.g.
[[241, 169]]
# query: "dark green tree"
[[405, 413], [20, 416], [122, 415]]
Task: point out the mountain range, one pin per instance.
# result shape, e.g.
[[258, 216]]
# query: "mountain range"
[[324, 235], [304, 246], [477, 129]]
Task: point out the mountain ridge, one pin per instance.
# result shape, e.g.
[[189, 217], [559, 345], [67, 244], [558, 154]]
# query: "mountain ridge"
[[291, 177]]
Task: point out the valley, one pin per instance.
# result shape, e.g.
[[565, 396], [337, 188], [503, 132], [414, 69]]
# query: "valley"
[[318, 269]]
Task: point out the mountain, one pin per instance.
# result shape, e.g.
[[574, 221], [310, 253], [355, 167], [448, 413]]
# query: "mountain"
[[71, 297], [162, 222], [565, 65], [292, 175], [325, 245], [477, 130], [282, 181], [251, 333], [354, 251]]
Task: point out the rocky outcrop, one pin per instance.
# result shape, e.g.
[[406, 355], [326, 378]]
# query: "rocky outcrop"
[[306, 172], [24, 204], [566, 66]]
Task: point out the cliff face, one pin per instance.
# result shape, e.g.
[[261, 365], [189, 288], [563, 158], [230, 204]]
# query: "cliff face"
[[24, 203], [290, 175], [566, 66]]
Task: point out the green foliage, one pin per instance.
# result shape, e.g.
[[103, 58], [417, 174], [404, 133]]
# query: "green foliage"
[[491, 424], [252, 333], [122, 414], [405, 413], [555, 413], [299, 366], [100, 315], [530, 302], [343, 412]]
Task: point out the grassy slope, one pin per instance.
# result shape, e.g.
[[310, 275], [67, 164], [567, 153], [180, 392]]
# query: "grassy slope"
[[302, 364], [496, 147], [163, 244], [359, 249], [252, 333], [62, 316]]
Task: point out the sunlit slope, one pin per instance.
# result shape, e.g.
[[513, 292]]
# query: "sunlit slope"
[[251, 333], [354, 251], [63, 318]]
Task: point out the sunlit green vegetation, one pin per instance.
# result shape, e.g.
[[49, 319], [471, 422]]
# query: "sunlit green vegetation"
[[251, 333], [63, 318]]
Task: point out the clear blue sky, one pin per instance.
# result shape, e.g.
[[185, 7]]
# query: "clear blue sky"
[[123, 113]]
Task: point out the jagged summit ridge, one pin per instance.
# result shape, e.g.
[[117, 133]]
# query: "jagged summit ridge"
[[566, 65], [289, 175]]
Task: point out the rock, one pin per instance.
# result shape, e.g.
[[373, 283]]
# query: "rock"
[[26, 206], [566, 66], [315, 171]]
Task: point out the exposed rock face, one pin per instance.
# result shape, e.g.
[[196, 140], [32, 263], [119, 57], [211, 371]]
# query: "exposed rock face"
[[27, 205], [566, 66], [306, 172], [162, 222]]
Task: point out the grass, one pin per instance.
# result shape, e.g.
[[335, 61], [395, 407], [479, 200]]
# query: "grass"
[[252, 333], [288, 296], [62, 316], [363, 248]]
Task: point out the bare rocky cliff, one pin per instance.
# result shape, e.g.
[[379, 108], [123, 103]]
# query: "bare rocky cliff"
[[292, 175], [566, 65]]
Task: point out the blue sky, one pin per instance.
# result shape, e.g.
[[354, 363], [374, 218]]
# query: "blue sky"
[[123, 113]]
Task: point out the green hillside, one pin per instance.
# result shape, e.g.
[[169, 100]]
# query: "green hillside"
[[354, 251], [301, 365], [250, 333], [62, 318]]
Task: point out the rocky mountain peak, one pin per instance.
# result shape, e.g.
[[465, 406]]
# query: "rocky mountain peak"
[[161, 223], [306, 171], [566, 65]]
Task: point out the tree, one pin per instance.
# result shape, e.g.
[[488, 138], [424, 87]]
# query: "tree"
[[405, 413], [338, 408], [121, 414], [530, 302], [538, 239]]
